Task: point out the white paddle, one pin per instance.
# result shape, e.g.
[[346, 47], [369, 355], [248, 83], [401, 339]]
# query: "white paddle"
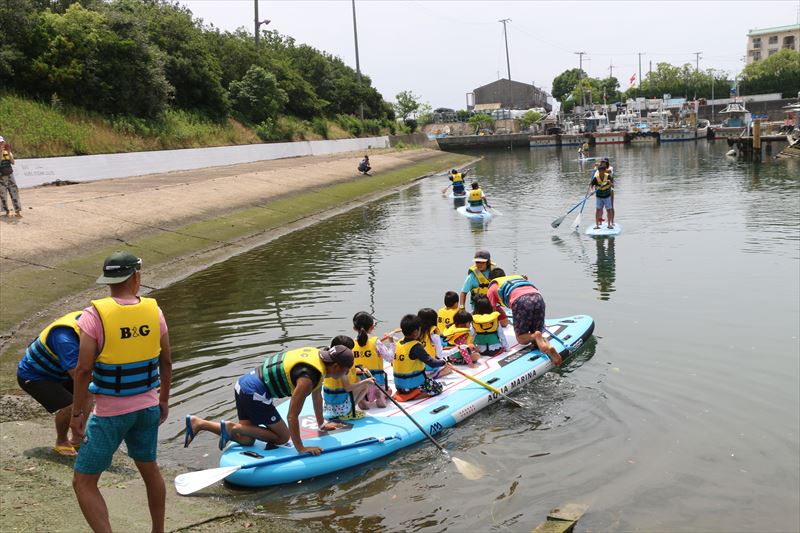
[[194, 481]]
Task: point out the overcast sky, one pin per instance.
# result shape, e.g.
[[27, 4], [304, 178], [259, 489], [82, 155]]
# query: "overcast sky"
[[441, 50]]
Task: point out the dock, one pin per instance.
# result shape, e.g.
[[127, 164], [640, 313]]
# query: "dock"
[[750, 147]]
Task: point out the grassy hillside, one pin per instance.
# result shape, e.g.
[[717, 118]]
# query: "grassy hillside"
[[36, 129]]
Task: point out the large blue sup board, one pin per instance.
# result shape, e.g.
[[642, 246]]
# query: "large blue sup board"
[[387, 430]]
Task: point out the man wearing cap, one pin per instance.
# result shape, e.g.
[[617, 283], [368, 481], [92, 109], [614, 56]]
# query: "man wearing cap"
[[8, 185], [294, 374], [125, 361], [477, 282]]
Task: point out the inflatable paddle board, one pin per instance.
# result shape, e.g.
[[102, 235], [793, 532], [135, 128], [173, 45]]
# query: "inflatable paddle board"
[[483, 215], [603, 231], [453, 196], [383, 431]]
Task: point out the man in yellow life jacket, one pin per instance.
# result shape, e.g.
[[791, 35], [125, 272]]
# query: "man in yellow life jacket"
[[603, 185], [125, 354], [476, 199], [458, 182], [296, 374], [8, 185], [477, 281], [47, 371]]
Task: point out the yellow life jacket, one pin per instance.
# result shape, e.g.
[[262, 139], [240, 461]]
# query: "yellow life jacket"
[[475, 197], [454, 332], [6, 154], [42, 357], [427, 341], [333, 391], [128, 362], [458, 177], [444, 318], [603, 188], [486, 323], [506, 284], [368, 357], [483, 281], [408, 373], [277, 370]]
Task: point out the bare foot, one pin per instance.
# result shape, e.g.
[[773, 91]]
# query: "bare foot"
[[19, 214], [380, 402], [555, 357], [597, 227]]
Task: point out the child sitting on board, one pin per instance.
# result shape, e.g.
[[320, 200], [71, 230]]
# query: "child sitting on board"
[[341, 395], [369, 354], [432, 342], [488, 326], [444, 317], [458, 335], [409, 363]]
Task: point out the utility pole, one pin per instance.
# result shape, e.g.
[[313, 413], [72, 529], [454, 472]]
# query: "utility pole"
[[258, 24], [610, 69], [505, 35], [697, 61], [580, 74], [640, 54], [358, 65]]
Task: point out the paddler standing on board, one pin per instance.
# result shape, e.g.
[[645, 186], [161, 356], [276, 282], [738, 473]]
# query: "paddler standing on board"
[[294, 374], [603, 185], [527, 305], [477, 281]]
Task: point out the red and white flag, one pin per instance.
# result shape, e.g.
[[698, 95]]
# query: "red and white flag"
[[633, 80]]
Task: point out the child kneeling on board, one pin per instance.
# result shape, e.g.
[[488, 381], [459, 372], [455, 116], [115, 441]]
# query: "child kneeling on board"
[[370, 353], [341, 394], [488, 325], [409, 363], [458, 335]]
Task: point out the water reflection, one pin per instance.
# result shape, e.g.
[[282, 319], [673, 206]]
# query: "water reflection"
[[604, 267]]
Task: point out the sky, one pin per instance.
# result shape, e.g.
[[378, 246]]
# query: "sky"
[[441, 50]]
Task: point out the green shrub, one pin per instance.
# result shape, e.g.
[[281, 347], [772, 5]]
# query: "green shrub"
[[320, 126]]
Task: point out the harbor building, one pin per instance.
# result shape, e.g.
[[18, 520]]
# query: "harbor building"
[[765, 42], [510, 94]]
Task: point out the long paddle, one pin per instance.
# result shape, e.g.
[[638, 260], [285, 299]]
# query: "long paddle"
[[577, 223], [468, 470], [194, 481], [485, 385], [557, 222]]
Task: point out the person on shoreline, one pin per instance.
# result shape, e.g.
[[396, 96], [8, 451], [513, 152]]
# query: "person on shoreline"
[[409, 363], [370, 353], [476, 199], [297, 374], [363, 166], [47, 372], [603, 183], [516, 293], [341, 395], [444, 317], [125, 353], [477, 281], [8, 185]]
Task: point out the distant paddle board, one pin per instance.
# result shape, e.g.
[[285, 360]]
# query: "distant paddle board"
[[585, 159], [482, 215], [604, 231]]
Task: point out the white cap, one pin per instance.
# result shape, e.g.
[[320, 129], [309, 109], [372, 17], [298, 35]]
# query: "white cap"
[[2, 140]]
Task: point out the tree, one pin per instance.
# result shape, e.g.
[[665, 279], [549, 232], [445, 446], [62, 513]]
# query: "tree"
[[407, 104], [529, 118], [482, 121], [565, 83], [257, 96], [777, 73]]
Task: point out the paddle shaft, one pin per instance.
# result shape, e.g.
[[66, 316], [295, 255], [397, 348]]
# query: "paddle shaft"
[[485, 385], [422, 429]]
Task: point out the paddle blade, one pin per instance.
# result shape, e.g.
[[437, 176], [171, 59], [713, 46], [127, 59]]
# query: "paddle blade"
[[577, 222], [557, 222], [467, 469], [194, 481]]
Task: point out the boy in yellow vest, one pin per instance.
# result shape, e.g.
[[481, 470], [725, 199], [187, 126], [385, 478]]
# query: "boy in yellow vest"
[[458, 335], [125, 354], [444, 317], [409, 363], [476, 199]]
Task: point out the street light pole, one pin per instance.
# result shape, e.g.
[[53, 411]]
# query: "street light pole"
[[358, 64], [505, 35], [258, 24]]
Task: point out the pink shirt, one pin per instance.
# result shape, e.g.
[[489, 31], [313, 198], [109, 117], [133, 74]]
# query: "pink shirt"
[[90, 323], [494, 299]]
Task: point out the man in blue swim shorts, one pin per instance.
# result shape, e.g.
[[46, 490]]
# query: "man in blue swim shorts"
[[603, 185]]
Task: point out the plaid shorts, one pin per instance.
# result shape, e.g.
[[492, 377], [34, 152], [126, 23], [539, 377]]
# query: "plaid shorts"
[[104, 434], [528, 312]]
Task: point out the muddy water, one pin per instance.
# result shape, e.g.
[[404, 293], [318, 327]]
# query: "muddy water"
[[683, 413]]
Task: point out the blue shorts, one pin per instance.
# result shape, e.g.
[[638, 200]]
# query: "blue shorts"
[[604, 202], [253, 401], [104, 434]]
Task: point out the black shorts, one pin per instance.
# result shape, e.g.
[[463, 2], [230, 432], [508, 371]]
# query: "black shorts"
[[51, 394]]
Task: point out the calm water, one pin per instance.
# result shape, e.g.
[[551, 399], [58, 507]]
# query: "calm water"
[[682, 414]]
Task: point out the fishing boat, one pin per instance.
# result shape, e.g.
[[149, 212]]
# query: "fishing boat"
[[383, 431], [735, 125], [684, 133]]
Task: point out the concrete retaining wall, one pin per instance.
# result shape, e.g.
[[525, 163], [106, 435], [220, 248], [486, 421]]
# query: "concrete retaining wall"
[[32, 172]]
